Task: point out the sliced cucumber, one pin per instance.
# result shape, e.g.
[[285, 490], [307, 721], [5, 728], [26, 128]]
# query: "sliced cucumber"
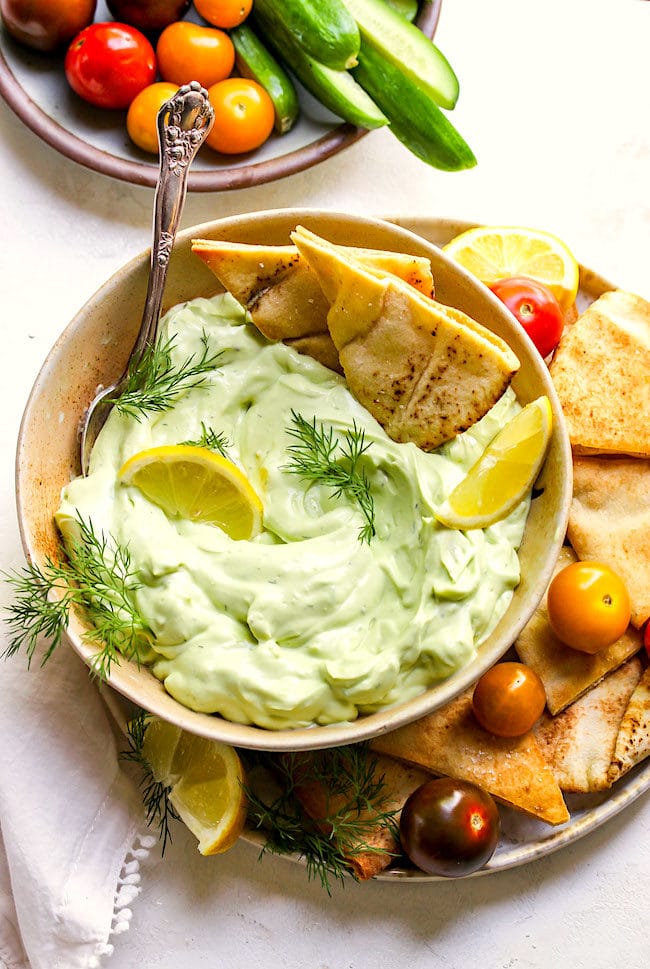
[[255, 61], [325, 29], [336, 90], [414, 116], [406, 47]]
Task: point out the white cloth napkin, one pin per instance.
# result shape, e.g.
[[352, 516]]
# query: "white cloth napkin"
[[72, 831]]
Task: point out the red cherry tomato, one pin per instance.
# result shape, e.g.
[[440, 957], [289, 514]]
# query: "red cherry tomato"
[[107, 64], [536, 308], [509, 699], [588, 606], [449, 827], [646, 637]]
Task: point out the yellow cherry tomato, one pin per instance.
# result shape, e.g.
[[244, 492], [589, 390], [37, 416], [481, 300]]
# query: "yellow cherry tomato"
[[141, 118], [588, 606], [188, 52], [224, 13], [243, 116]]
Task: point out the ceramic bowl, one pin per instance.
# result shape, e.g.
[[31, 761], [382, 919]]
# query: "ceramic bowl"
[[94, 349]]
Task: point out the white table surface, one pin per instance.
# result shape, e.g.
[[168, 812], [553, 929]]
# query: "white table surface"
[[556, 104]]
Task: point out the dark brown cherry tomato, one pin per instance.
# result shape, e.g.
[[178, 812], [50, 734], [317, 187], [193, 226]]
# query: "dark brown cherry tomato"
[[107, 64], [449, 827], [46, 24], [536, 308], [148, 14], [509, 699]]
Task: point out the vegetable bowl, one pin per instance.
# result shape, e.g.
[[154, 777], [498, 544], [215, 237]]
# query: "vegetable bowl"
[[35, 87], [94, 349]]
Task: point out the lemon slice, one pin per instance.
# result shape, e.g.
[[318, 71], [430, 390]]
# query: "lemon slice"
[[504, 473], [497, 252], [206, 780], [195, 483]]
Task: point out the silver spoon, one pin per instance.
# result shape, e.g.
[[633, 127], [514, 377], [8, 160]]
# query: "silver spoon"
[[183, 123]]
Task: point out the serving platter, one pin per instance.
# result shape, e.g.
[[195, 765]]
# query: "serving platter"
[[523, 839], [35, 88]]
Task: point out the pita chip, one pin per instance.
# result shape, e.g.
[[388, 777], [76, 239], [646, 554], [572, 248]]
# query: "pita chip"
[[579, 743], [633, 741], [398, 782], [609, 521], [451, 743], [567, 673], [424, 373], [600, 371], [281, 293]]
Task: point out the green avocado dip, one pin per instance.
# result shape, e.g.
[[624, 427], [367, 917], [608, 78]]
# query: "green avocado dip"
[[305, 623]]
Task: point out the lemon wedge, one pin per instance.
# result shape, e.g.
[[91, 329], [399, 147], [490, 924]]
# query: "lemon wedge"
[[504, 473], [498, 252], [206, 780], [195, 483]]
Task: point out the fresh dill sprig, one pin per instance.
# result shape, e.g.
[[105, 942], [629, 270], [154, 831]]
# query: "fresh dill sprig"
[[354, 796], [319, 456], [155, 795], [212, 440], [154, 383], [99, 583]]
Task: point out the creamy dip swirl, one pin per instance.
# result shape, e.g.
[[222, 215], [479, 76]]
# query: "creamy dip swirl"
[[304, 624]]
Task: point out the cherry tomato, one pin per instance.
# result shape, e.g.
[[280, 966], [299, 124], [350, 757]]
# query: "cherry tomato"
[[509, 699], [588, 606], [142, 116], [646, 637], [243, 116], [46, 24], [188, 52], [148, 14], [449, 827], [536, 308], [224, 13], [107, 64]]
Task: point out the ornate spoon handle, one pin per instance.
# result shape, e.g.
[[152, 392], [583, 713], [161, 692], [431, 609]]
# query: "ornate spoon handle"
[[183, 123]]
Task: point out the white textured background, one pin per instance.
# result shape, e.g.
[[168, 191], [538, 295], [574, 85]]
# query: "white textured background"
[[555, 101]]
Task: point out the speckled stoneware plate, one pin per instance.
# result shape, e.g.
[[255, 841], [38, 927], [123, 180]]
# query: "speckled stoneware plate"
[[34, 86], [94, 349]]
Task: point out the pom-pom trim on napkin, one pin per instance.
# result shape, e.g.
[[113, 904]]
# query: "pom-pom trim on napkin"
[[127, 889]]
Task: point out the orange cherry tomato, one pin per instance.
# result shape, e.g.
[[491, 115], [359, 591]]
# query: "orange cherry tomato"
[[224, 13], [509, 699], [188, 52], [243, 116], [588, 606], [142, 116]]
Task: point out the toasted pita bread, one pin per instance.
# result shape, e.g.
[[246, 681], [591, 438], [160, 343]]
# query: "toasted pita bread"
[[633, 741], [399, 781], [281, 293], [450, 742], [567, 673], [423, 373], [579, 743], [600, 371], [609, 521]]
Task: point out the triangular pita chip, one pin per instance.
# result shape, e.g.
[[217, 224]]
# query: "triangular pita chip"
[[633, 741], [451, 743], [579, 742], [281, 293], [423, 373], [609, 521], [398, 782], [567, 673], [600, 371]]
